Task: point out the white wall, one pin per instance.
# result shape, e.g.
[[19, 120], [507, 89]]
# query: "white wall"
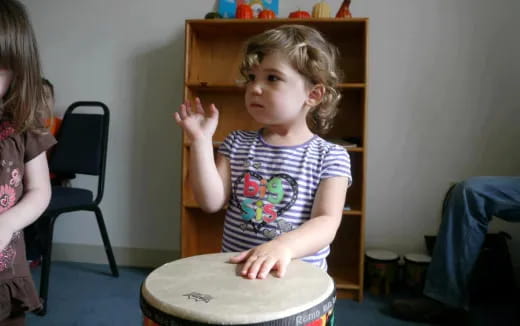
[[443, 105]]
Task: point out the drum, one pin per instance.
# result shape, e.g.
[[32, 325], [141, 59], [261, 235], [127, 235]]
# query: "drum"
[[207, 290], [381, 271], [415, 268]]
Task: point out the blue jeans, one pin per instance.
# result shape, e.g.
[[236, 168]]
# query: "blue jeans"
[[467, 212]]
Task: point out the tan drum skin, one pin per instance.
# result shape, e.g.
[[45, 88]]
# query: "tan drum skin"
[[207, 290]]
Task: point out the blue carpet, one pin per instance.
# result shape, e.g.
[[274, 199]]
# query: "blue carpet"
[[87, 295]]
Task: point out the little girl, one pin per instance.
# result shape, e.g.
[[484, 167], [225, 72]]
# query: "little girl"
[[285, 185], [24, 176]]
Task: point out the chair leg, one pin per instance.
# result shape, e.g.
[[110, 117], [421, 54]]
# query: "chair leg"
[[48, 229], [106, 241]]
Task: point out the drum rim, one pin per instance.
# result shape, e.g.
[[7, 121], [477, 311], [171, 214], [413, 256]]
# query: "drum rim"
[[183, 313], [166, 319], [385, 260], [409, 259]]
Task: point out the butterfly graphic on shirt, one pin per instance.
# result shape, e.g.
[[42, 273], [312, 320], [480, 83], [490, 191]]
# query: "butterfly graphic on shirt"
[[281, 226]]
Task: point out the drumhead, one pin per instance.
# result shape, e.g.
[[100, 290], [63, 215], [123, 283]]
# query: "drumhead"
[[210, 290], [382, 255], [418, 258]]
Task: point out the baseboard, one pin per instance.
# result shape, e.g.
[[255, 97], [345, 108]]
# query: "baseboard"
[[135, 257]]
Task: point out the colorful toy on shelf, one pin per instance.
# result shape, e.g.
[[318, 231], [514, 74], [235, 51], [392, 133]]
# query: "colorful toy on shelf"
[[321, 10], [267, 14], [344, 11], [257, 6], [271, 5], [228, 8], [299, 14], [244, 11]]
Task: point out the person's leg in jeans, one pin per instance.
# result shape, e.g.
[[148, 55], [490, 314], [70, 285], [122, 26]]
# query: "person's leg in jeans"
[[468, 210], [467, 213]]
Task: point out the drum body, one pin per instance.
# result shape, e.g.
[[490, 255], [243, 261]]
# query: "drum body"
[[416, 266], [207, 290], [381, 271]]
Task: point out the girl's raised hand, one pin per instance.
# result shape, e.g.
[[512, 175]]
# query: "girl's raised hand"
[[197, 124], [259, 261]]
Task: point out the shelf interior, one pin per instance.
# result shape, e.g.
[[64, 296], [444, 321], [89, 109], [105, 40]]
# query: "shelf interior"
[[210, 42], [202, 232]]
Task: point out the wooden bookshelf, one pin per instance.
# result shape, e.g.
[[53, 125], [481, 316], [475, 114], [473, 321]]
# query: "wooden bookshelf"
[[212, 57]]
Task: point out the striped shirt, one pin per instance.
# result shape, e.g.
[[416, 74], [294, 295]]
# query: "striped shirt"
[[273, 188]]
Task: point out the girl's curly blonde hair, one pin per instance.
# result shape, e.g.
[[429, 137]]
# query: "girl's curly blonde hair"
[[311, 55]]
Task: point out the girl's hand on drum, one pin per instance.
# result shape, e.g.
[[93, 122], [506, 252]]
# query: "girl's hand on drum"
[[259, 261], [196, 121]]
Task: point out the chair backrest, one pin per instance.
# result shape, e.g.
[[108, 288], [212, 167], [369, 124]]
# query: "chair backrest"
[[82, 143]]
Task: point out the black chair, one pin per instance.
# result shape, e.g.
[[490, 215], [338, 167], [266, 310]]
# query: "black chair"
[[81, 149]]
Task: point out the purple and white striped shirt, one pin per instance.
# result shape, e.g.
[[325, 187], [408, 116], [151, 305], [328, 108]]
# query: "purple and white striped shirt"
[[273, 187]]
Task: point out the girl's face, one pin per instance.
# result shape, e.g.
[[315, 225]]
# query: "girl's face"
[[276, 93], [5, 80]]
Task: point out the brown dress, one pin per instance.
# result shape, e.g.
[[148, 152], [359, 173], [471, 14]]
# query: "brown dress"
[[17, 291]]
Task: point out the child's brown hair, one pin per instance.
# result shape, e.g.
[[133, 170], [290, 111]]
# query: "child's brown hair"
[[311, 55], [23, 104]]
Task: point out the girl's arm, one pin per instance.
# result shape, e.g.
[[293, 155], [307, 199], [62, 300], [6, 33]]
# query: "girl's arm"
[[210, 181], [36, 196], [306, 240]]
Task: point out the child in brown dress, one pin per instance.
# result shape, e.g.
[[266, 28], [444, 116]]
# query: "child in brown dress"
[[24, 176]]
